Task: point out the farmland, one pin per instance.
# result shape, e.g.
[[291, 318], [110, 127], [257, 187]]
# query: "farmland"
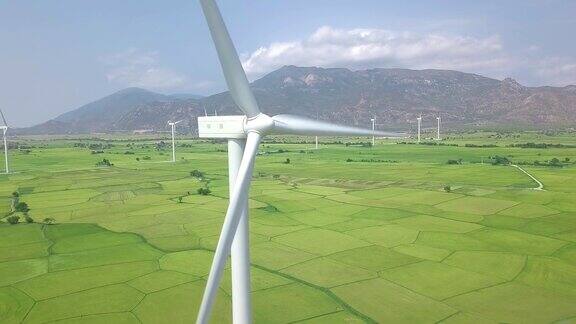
[[399, 232]]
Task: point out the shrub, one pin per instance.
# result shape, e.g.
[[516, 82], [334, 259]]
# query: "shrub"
[[204, 191], [146, 158], [28, 219], [104, 162], [287, 161], [447, 188], [180, 199], [500, 160], [196, 174], [49, 220], [22, 207], [15, 194], [13, 220], [459, 161]]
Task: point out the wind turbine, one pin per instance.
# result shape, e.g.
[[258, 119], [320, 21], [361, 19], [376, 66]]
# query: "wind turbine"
[[438, 132], [373, 129], [316, 135], [173, 126], [244, 134], [419, 124], [4, 130]]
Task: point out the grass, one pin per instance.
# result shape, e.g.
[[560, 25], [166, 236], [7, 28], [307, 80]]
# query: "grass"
[[331, 241]]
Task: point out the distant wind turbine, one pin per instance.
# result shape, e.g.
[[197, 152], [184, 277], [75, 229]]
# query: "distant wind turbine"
[[4, 130], [173, 127], [316, 136], [419, 124], [244, 134], [373, 129], [438, 131]]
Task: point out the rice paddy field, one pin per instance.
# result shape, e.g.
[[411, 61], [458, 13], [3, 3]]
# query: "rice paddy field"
[[348, 233]]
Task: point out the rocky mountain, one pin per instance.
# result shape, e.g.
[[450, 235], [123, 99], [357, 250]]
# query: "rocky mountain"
[[126, 110], [395, 96]]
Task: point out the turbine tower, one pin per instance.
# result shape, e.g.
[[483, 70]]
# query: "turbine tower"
[[173, 126], [4, 130], [244, 134], [419, 124], [373, 129], [316, 135], [438, 131]]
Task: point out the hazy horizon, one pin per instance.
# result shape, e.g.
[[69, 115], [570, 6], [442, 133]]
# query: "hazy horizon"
[[61, 55]]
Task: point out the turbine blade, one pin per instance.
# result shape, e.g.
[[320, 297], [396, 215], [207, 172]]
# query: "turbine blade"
[[231, 66], [238, 199], [297, 125], [181, 120], [3, 119]]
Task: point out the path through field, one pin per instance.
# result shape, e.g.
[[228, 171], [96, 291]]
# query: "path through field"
[[540, 184]]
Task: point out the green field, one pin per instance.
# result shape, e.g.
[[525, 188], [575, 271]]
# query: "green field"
[[343, 234]]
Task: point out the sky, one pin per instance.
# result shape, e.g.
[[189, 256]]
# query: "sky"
[[58, 55]]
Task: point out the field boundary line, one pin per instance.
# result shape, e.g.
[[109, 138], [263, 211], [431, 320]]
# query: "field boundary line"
[[540, 184], [326, 291]]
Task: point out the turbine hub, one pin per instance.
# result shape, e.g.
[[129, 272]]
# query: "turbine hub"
[[261, 124]]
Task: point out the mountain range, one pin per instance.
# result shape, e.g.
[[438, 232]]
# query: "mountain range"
[[395, 97]]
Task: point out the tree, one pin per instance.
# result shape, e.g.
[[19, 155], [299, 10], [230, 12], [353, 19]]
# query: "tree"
[[13, 220], [15, 194], [28, 219], [287, 161], [104, 162], [22, 207], [197, 174], [555, 162], [49, 221], [500, 160], [204, 191], [180, 199], [447, 188]]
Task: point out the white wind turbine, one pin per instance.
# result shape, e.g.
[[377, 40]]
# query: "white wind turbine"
[[316, 137], [438, 131], [373, 120], [244, 134], [173, 127], [4, 130], [419, 124]]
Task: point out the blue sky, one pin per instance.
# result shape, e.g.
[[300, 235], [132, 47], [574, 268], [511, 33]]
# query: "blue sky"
[[57, 55]]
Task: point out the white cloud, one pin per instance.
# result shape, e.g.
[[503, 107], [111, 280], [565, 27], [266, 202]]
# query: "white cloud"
[[368, 48], [557, 71], [137, 68]]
